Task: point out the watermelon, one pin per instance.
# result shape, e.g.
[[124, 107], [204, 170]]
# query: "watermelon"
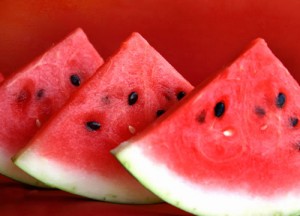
[[231, 147], [30, 96], [72, 152]]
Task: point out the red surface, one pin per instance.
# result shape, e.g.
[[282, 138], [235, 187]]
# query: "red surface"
[[197, 37], [17, 199]]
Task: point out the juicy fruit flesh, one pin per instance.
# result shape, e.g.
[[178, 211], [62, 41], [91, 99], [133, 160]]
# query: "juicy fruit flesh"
[[103, 125], [121, 99], [254, 148], [232, 136], [32, 95], [106, 111]]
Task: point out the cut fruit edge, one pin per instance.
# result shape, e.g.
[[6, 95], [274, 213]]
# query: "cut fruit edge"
[[15, 172], [8, 150], [51, 172], [194, 198]]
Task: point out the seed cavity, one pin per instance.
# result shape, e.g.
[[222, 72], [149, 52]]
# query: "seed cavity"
[[297, 146], [160, 112], [40, 93], [259, 111], [105, 100], [38, 123], [75, 80], [180, 95], [280, 100], [293, 121], [168, 97], [131, 129], [93, 125], [132, 98], [202, 116], [219, 109], [23, 96]]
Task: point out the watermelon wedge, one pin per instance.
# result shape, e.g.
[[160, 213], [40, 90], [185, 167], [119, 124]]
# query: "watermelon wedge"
[[30, 96], [128, 92], [231, 147]]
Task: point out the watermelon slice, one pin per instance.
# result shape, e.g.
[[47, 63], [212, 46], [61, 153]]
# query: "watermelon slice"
[[231, 147], [30, 96], [73, 152]]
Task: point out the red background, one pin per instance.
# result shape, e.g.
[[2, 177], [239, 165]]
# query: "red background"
[[197, 37]]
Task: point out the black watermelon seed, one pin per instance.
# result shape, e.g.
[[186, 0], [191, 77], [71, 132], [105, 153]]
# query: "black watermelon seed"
[[160, 112], [40, 93], [219, 109], [180, 95], [93, 125], [280, 100], [75, 79], [132, 98], [202, 116], [294, 121], [260, 111]]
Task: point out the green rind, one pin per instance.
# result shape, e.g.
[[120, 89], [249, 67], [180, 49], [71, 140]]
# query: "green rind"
[[194, 198], [18, 175], [66, 178], [79, 54]]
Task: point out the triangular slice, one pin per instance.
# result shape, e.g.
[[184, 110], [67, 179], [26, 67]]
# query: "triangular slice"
[[232, 146], [30, 96], [73, 152]]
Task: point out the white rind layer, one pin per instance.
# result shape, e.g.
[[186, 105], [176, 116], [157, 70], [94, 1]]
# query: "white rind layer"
[[81, 182], [195, 198], [12, 171]]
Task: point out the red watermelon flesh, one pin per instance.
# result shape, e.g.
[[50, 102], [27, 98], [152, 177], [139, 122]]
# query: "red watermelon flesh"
[[232, 146], [73, 152], [30, 96]]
